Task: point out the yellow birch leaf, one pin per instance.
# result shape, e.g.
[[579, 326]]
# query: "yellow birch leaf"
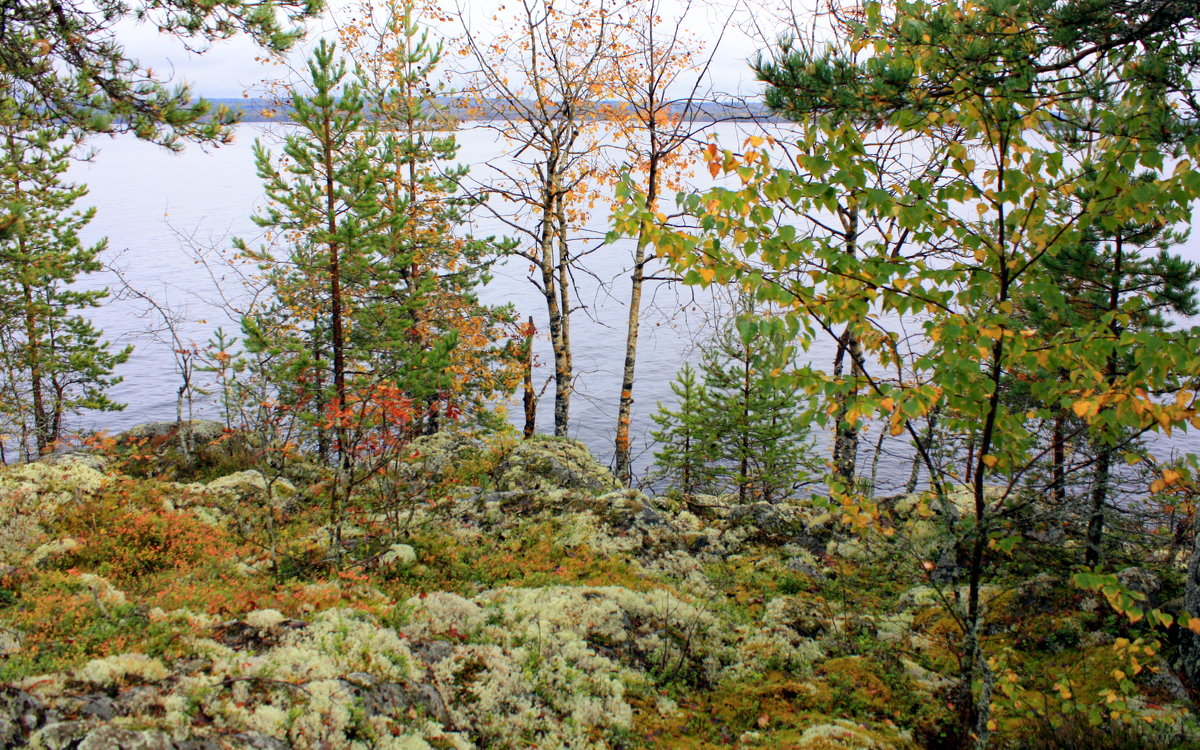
[[1081, 407], [706, 274], [989, 460]]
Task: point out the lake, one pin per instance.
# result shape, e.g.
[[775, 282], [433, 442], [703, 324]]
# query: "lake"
[[161, 212]]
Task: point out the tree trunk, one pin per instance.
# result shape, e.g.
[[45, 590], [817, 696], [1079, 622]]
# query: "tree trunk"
[[845, 441], [1095, 532], [563, 369], [530, 399], [1059, 458], [42, 433], [340, 490], [625, 406], [1189, 646], [974, 711]]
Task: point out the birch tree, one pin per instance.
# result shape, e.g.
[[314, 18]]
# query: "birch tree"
[[540, 73]]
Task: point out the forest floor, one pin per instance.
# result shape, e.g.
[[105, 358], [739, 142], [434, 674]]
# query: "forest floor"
[[488, 592]]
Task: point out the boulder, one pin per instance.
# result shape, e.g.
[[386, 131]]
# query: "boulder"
[[203, 431], [115, 738], [93, 461], [20, 715], [251, 484], [544, 464]]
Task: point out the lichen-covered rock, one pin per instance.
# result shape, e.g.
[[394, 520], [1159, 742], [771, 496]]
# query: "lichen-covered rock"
[[1142, 581], [430, 457], [544, 464], [773, 522], [78, 458], [21, 714], [202, 430], [59, 735], [252, 485], [110, 738], [31, 496], [339, 682], [840, 734]]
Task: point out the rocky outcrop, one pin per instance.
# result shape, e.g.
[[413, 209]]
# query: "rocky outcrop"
[[546, 464], [200, 431]]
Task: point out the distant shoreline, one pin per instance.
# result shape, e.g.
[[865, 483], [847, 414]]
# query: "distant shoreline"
[[264, 110]]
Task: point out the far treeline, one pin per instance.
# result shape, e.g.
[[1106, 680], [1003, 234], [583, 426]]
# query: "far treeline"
[[979, 203], [452, 109]]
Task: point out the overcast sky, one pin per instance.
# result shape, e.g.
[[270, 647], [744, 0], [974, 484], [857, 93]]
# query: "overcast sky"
[[231, 69]]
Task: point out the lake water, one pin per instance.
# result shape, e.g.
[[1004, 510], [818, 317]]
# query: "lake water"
[[161, 210]]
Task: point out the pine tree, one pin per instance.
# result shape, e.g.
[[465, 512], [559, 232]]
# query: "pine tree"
[[761, 436], [738, 430], [424, 207], [686, 444], [55, 361], [323, 205], [1108, 278]]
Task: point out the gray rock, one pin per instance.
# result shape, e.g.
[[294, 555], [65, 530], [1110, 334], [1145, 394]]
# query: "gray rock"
[[432, 652], [60, 735], [430, 699], [98, 707], [77, 458], [775, 522], [1142, 581], [255, 741], [804, 567], [198, 744], [115, 738], [20, 715], [203, 430], [385, 699], [544, 463]]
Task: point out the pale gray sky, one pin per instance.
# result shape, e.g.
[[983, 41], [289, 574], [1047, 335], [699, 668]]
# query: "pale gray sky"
[[231, 67]]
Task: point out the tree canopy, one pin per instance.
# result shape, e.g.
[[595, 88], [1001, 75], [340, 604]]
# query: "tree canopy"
[[65, 60]]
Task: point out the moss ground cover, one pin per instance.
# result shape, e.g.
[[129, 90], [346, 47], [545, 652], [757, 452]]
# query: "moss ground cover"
[[483, 612]]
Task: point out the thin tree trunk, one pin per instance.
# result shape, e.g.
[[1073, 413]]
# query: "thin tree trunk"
[[1100, 485], [930, 427], [1059, 458], [1095, 530], [339, 491], [625, 405], [1189, 647], [42, 433], [633, 325], [530, 399], [845, 441], [974, 712], [563, 371], [744, 438]]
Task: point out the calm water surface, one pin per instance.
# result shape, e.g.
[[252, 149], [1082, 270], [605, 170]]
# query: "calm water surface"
[[160, 210]]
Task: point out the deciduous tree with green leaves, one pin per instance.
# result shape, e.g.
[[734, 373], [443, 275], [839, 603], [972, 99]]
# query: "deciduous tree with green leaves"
[[995, 72]]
